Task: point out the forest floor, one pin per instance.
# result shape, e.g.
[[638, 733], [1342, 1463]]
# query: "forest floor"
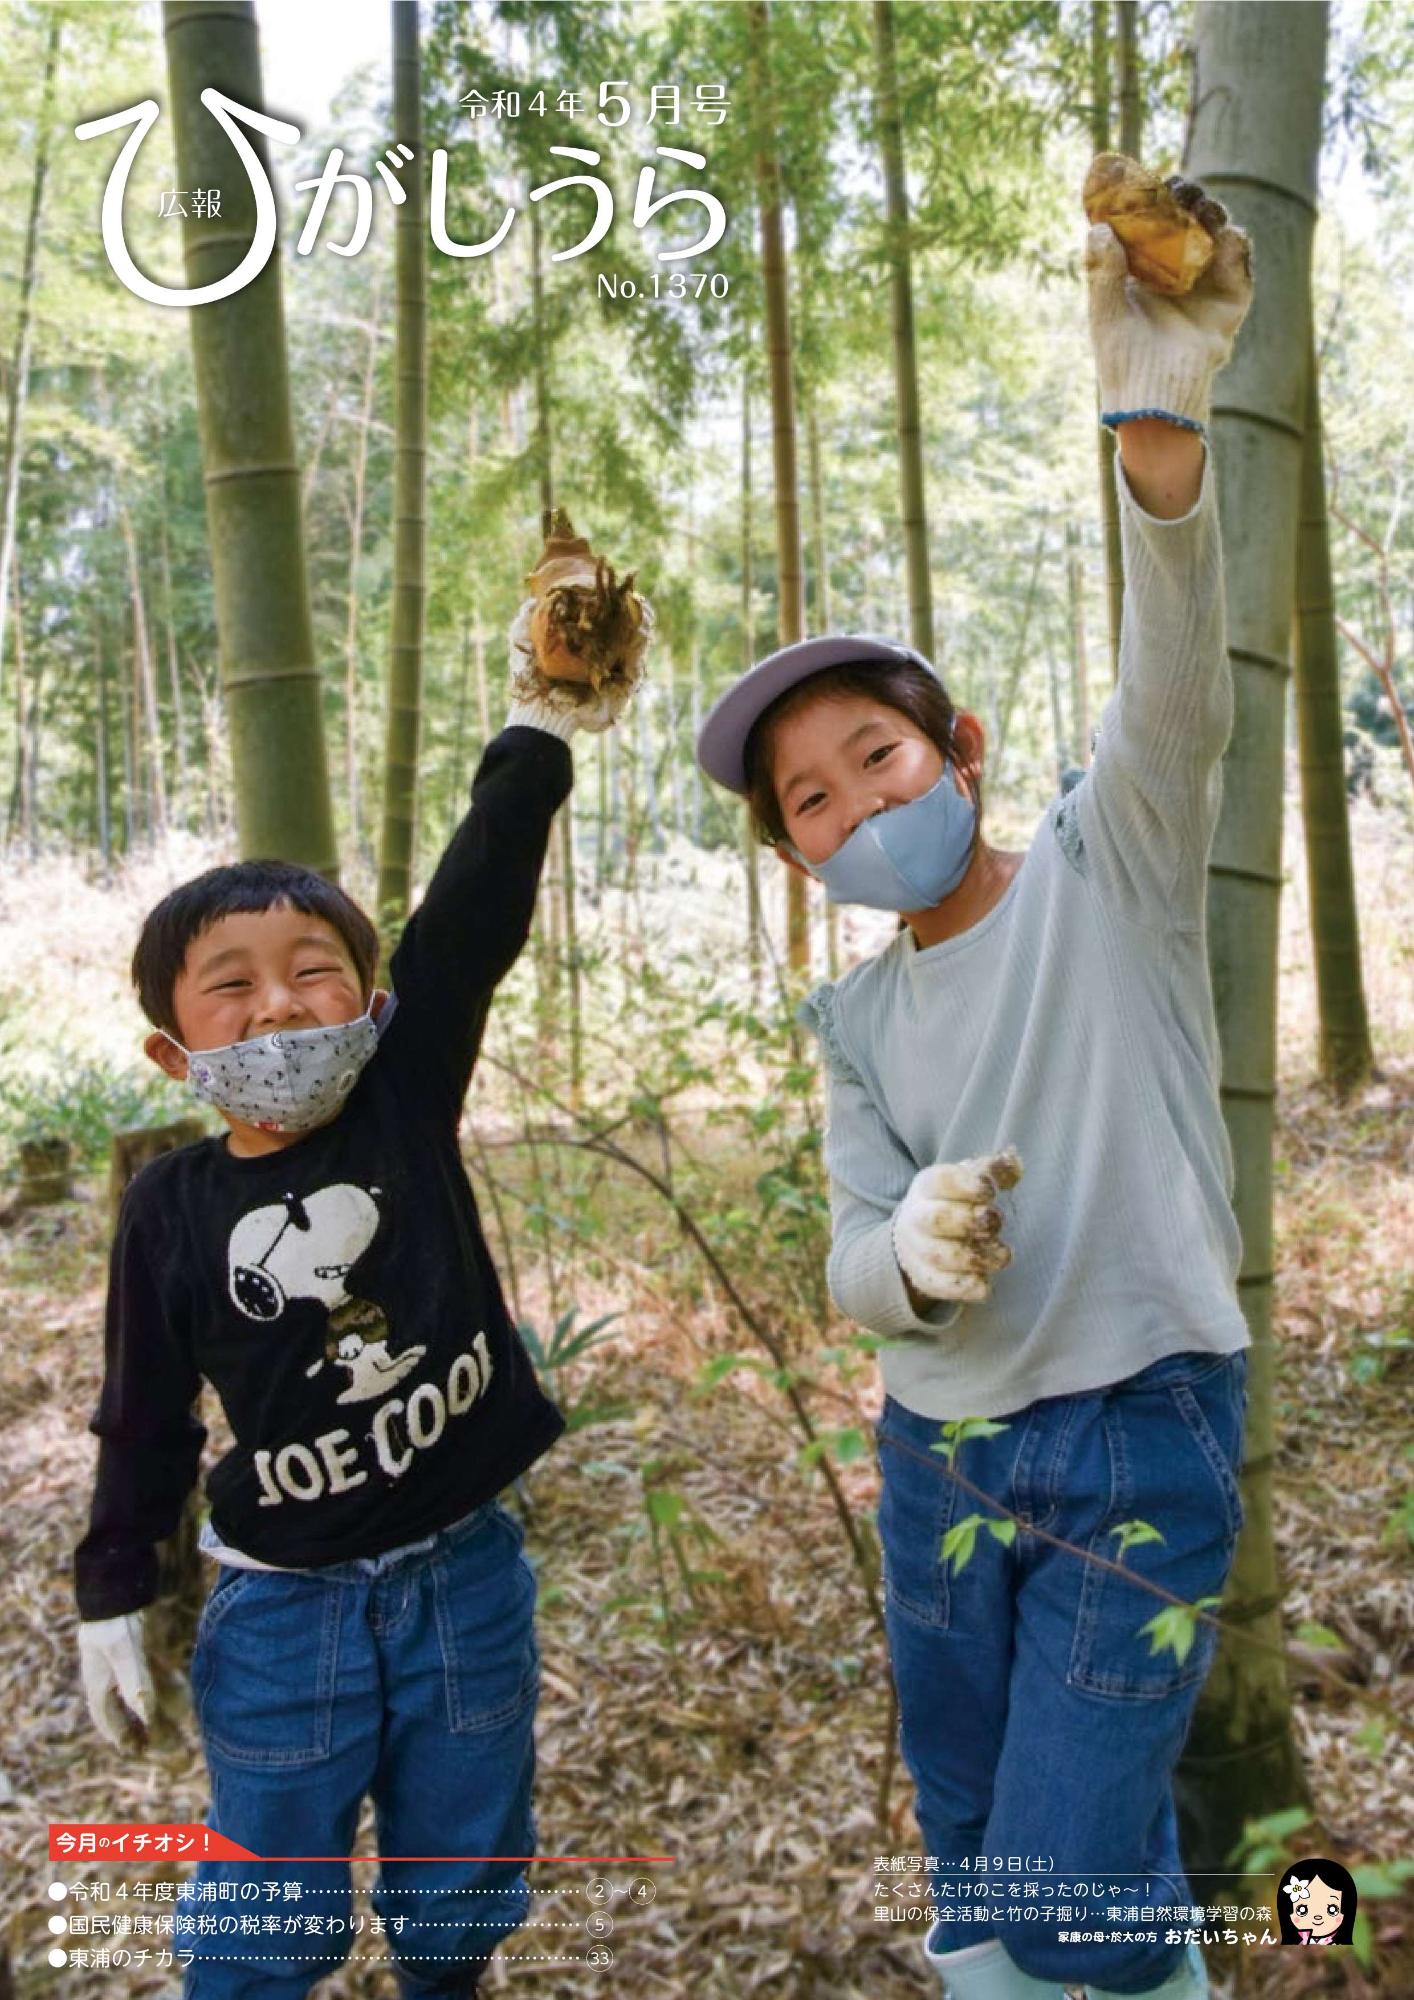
[[740, 1725]]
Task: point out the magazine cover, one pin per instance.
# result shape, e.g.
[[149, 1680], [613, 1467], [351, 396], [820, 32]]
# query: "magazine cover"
[[706, 1030]]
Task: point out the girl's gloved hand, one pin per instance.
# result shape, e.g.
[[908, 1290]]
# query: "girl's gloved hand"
[[113, 1658], [1154, 351], [947, 1229]]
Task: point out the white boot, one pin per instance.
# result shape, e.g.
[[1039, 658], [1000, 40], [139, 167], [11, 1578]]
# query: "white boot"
[[1190, 1982], [986, 1972]]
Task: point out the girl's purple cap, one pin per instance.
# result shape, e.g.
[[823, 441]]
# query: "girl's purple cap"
[[723, 734]]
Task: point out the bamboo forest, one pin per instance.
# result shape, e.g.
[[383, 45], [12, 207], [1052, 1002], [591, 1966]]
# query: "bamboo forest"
[[592, 1408]]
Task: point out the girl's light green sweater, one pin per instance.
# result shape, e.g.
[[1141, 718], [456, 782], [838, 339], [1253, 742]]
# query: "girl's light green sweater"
[[1074, 1022]]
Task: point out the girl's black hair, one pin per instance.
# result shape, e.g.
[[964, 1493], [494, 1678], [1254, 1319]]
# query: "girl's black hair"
[[1335, 1877], [909, 688], [189, 909]]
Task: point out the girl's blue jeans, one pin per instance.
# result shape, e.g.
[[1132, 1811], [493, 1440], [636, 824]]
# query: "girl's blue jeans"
[[1040, 1727], [410, 1676]]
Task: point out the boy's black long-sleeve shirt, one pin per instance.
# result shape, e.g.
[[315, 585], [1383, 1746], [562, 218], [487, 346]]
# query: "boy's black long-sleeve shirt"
[[338, 1294]]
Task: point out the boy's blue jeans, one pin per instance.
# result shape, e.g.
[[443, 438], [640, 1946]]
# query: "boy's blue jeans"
[[1034, 1717], [411, 1676]]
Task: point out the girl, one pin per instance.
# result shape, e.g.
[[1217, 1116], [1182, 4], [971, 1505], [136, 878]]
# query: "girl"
[[1057, 1002], [1316, 1903]]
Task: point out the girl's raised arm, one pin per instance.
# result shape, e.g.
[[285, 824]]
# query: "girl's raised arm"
[[1145, 818]]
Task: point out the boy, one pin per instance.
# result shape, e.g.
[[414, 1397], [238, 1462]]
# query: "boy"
[[370, 1628]]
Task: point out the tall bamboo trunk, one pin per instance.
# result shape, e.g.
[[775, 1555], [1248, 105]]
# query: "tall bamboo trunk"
[[457, 749], [601, 815], [143, 816], [822, 625], [353, 791], [559, 903], [1019, 658], [321, 438], [125, 718], [557, 914], [1131, 96], [614, 838], [543, 923], [910, 428], [268, 672], [694, 667], [36, 693], [399, 836], [649, 768], [571, 950], [1346, 1054], [18, 388], [1254, 141], [102, 812], [180, 759], [1100, 88], [790, 576], [670, 709], [145, 686], [1058, 730], [483, 693], [148, 777], [20, 818], [754, 932], [174, 675]]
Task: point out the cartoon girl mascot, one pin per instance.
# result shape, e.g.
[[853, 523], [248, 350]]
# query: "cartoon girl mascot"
[[1048, 1014], [1316, 1903]]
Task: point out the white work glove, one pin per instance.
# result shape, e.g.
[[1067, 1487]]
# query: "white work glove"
[[1153, 351], [564, 706], [946, 1230], [114, 1662]]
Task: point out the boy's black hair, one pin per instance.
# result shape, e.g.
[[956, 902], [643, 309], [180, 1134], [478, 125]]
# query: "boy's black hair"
[[186, 912]]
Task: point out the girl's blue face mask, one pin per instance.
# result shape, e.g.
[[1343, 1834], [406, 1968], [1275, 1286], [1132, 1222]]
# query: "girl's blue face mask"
[[907, 858]]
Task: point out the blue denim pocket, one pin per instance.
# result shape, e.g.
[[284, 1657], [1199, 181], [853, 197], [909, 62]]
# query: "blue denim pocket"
[[225, 1588], [263, 1669], [1173, 1435], [484, 1593], [917, 1502]]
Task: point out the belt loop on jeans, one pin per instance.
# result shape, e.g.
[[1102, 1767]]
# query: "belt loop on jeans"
[[468, 1521]]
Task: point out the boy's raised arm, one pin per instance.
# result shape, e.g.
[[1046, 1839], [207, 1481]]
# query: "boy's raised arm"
[[475, 917], [577, 646]]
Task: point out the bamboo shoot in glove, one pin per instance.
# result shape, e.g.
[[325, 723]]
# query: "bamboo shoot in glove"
[[579, 641], [947, 1231]]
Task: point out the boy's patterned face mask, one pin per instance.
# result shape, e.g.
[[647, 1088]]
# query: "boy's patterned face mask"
[[289, 1081]]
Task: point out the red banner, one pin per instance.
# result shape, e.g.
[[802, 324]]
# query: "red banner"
[[137, 1840]]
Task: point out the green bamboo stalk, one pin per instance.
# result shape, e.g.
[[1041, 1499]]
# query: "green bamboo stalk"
[[1254, 141], [399, 832], [18, 386], [1346, 1056], [909, 421], [1100, 87], [269, 677], [790, 573]]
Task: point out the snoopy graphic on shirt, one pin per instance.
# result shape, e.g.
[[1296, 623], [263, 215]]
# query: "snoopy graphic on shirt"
[[303, 1247]]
